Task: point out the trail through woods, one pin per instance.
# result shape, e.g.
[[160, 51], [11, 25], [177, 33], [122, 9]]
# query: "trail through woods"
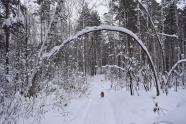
[[99, 110], [118, 107], [121, 108]]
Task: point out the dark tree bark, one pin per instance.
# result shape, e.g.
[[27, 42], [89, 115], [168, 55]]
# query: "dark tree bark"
[[7, 37]]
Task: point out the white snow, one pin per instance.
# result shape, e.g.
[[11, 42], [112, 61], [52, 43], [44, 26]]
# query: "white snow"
[[181, 4], [158, 1], [119, 107]]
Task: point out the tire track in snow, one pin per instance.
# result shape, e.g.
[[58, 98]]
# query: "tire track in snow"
[[114, 110], [85, 112], [100, 112]]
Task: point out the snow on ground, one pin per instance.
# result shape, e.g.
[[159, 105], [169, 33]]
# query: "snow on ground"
[[120, 107]]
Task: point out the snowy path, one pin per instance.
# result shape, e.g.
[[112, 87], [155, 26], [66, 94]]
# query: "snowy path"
[[120, 107], [99, 110]]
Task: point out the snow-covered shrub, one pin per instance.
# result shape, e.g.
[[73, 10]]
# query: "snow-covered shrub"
[[130, 77], [12, 108]]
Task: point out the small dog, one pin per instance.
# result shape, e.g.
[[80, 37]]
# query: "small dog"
[[102, 94]]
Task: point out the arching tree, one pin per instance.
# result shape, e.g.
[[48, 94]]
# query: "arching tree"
[[56, 49]]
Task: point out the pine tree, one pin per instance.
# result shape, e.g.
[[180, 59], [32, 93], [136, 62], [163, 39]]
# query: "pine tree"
[[170, 28], [85, 18], [96, 42], [90, 41]]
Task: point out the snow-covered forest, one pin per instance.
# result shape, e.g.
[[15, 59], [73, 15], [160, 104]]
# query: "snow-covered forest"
[[92, 61]]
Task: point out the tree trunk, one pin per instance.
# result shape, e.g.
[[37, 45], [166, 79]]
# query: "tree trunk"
[[7, 38]]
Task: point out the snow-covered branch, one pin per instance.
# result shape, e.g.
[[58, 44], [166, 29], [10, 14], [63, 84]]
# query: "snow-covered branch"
[[175, 65], [168, 35], [55, 49], [114, 66]]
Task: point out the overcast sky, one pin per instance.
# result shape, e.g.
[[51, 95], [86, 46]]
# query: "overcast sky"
[[101, 6]]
